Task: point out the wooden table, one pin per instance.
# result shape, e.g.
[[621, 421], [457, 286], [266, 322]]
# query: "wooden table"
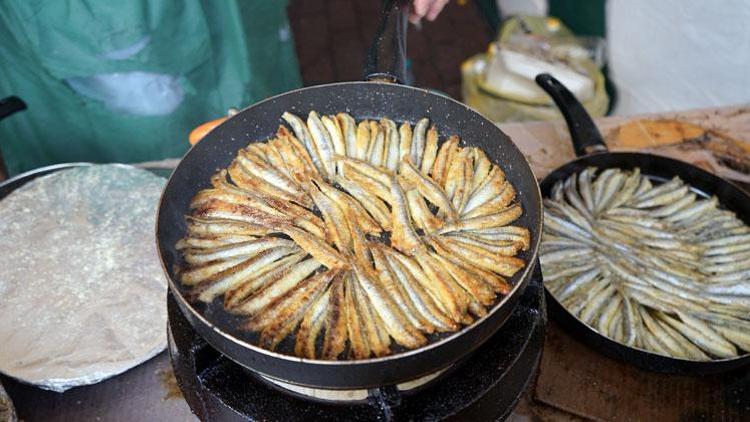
[[574, 381]]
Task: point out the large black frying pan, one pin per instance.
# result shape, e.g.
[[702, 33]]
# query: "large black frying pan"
[[364, 100], [592, 151]]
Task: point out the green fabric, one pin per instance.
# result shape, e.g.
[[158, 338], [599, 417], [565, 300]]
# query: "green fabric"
[[586, 18], [582, 17], [488, 10], [223, 53]]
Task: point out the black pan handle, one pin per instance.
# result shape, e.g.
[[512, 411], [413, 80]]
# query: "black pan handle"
[[386, 59], [11, 105], [583, 132]]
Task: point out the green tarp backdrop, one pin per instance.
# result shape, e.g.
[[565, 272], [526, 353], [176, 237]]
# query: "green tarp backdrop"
[[126, 81]]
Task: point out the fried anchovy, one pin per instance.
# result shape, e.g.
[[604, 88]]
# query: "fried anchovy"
[[336, 135], [276, 288], [279, 318], [254, 281], [439, 169], [325, 254], [310, 327], [392, 144], [303, 134], [404, 237], [378, 339], [298, 149], [482, 167], [368, 183], [322, 141], [392, 317], [420, 212], [495, 281], [254, 267], [428, 188], [503, 265], [388, 281], [374, 205], [506, 233], [211, 241], [446, 288], [334, 341], [349, 129], [421, 300], [376, 151], [500, 248], [249, 181], [336, 223], [359, 346], [455, 177], [405, 140], [245, 249], [418, 141], [430, 151], [500, 218], [354, 211], [480, 291], [436, 289], [376, 173], [503, 198], [362, 144]]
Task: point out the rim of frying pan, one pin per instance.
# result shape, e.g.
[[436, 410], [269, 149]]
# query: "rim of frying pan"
[[641, 357], [521, 279], [7, 186], [591, 150], [38, 172]]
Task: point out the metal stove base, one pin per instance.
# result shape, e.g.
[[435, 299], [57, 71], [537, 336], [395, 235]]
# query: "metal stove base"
[[486, 386], [350, 396]]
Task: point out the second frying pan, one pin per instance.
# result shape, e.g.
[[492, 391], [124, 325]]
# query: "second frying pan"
[[592, 152], [363, 100]]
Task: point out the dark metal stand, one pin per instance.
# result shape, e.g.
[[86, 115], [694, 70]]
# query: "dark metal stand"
[[486, 386]]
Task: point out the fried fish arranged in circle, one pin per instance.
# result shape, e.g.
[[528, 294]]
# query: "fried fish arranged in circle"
[[651, 267], [360, 234]]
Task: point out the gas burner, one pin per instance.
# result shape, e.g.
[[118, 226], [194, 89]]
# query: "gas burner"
[[349, 396], [484, 386]]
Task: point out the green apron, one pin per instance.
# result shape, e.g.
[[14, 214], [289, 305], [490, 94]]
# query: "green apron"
[[127, 81]]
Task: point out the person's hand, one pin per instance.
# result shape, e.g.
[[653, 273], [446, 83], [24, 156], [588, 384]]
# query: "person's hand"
[[428, 9]]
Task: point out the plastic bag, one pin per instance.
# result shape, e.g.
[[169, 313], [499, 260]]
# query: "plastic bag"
[[520, 100]]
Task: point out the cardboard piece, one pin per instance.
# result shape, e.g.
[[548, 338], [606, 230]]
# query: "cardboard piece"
[[715, 139], [577, 379]]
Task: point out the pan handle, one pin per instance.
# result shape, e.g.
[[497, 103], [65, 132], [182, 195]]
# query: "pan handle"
[[386, 59], [583, 132], [201, 131], [11, 105]]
